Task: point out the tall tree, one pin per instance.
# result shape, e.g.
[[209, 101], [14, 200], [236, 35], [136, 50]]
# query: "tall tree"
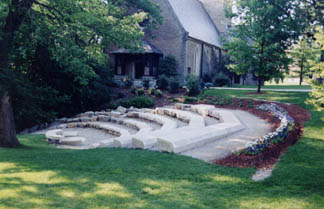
[[70, 35], [263, 30], [16, 14], [317, 96], [301, 53]]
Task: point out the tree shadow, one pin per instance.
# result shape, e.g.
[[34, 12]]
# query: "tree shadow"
[[39, 176]]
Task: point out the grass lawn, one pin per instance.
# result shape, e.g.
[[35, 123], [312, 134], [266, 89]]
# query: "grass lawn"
[[279, 86], [39, 176]]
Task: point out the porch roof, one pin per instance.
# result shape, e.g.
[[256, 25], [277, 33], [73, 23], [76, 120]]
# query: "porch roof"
[[148, 48]]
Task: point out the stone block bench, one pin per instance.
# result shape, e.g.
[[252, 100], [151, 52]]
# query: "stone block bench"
[[166, 123], [192, 119], [73, 141], [54, 135], [189, 138]]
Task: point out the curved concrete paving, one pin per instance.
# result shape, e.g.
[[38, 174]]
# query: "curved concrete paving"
[[254, 128], [228, 132]]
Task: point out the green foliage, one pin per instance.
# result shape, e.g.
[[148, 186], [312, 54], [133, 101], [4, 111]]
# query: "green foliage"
[[192, 85], [133, 89], [128, 82], [58, 64], [158, 93], [120, 95], [152, 91], [221, 79], [146, 83], [262, 35], [137, 102], [301, 53], [208, 78], [140, 92], [168, 66], [317, 69], [163, 82], [174, 86], [190, 100]]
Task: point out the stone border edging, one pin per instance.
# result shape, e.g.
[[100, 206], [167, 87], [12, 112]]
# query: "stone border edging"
[[286, 125]]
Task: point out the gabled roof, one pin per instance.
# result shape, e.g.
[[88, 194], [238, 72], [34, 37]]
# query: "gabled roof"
[[196, 21], [147, 47]]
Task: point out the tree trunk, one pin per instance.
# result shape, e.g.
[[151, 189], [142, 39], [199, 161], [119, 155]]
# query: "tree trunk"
[[259, 85], [17, 12], [7, 124], [301, 74]]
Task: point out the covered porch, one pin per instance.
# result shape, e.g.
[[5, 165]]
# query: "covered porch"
[[136, 65]]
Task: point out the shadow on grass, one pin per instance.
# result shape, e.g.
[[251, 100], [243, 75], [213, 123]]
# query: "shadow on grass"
[[41, 176]]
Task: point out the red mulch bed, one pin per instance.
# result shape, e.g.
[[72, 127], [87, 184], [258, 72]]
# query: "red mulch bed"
[[271, 155]]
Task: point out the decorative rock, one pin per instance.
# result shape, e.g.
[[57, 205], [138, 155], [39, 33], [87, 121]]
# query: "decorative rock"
[[89, 114], [72, 125], [73, 120], [94, 118], [121, 109], [85, 119], [114, 113], [103, 118]]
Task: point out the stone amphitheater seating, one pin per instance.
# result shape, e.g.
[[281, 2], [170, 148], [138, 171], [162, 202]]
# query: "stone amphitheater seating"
[[170, 137]]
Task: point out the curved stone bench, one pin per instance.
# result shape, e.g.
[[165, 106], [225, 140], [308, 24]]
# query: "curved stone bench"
[[192, 119], [201, 109], [126, 141], [73, 141], [166, 123], [124, 138], [54, 135]]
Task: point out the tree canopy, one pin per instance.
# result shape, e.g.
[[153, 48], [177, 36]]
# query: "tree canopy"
[[56, 61], [263, 30]]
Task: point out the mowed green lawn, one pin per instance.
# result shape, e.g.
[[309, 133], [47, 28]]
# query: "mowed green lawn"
[[38, 175], [276, 86]]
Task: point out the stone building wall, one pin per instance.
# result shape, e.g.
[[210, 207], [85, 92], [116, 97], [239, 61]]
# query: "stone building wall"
[[170, 37], [193, 57]]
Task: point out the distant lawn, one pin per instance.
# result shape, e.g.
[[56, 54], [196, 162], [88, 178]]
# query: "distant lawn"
[[38, 175], [279, 86]]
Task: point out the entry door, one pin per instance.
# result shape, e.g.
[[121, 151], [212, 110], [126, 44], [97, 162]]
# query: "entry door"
[[139, 70]]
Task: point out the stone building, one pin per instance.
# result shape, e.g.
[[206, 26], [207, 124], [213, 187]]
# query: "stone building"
[[192, 31]]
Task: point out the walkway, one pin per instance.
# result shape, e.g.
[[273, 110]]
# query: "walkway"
[[264, 89]]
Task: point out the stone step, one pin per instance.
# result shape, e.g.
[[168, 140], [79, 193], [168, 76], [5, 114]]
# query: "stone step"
[[189, 138], [126, 141], [149, 141], [164, 121], [186, 139], [192, 119]]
